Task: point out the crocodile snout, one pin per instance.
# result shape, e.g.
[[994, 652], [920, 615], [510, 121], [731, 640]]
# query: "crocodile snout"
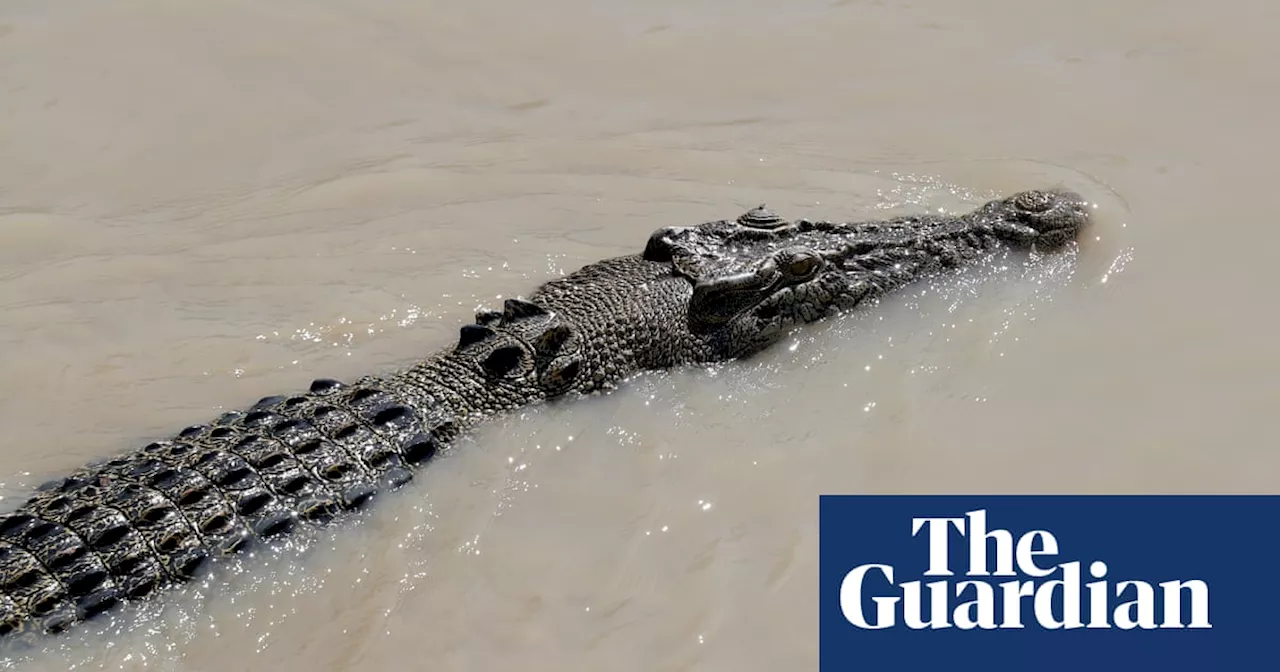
[[1045, 218]]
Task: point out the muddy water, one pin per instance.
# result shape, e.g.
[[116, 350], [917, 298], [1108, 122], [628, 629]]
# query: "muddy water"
[[205, 202]]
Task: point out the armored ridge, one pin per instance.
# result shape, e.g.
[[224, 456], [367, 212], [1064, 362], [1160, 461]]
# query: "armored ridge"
[[127, 527]]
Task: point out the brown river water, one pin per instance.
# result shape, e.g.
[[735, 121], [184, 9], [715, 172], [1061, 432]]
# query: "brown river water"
[[202, 203]]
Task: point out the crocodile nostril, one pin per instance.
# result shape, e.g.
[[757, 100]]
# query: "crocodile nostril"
[[1034, 201], [761, 217]]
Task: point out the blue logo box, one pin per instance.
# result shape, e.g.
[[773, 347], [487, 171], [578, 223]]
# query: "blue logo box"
[[1046, 583]]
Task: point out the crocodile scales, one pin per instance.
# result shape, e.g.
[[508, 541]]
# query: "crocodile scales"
[[125, 528]]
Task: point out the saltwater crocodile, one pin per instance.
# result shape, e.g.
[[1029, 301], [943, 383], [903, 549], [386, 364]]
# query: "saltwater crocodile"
[[126, 527]]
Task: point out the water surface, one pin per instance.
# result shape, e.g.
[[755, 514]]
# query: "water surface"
[[202, 203]]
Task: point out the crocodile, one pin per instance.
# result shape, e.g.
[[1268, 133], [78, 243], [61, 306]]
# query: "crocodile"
[[128, 527]]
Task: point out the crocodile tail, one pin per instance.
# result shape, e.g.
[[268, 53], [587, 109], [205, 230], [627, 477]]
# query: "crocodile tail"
[[129, 526]]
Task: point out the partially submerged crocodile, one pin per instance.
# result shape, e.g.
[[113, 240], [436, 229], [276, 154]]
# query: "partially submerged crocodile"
[[126, 527]]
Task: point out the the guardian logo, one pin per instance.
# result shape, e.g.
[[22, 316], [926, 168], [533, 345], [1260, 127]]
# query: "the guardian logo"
[[1052, 583], [1009, 581]]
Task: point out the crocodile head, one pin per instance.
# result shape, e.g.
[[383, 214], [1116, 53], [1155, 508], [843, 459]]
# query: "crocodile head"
[[759, 275]]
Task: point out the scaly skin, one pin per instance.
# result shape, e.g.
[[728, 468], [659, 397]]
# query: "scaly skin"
[[127, 527]]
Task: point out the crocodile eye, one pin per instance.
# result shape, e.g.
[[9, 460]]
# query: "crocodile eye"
[[801, 265]]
